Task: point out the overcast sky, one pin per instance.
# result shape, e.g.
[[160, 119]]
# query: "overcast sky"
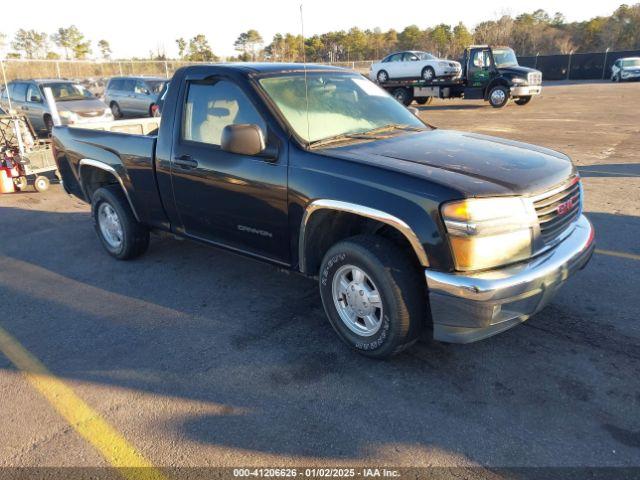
[[135, 27]]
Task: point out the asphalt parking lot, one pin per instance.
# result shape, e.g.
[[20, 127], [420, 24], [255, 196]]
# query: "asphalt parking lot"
[[198, 357]]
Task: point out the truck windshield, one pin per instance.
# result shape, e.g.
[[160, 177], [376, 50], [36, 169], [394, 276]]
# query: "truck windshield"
[[339, 104], [68, 91], [631, 62], [505, 57]]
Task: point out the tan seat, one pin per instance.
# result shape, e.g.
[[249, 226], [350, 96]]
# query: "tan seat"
[[220, 113]]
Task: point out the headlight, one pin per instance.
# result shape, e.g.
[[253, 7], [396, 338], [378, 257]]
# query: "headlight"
[[71, 117], [489, 232]]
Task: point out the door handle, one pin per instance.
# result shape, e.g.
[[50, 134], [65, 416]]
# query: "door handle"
[[185, 161]]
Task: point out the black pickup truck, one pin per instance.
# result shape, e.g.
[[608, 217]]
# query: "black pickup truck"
[[407, 228]]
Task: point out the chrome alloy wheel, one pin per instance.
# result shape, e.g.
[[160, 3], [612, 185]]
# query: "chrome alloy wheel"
[[357, 300], [110, 225], [497, 96]]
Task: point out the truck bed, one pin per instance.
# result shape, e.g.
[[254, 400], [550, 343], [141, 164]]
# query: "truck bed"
[[126, 147]]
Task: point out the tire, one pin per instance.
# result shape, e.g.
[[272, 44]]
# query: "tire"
[[403, 95], [428, 74], [48, 124], [21, 183], [41, 184], [122, 236], [115, 110], [387, 269], [499, 96], [382, 76], [424, 100], [523, 100]]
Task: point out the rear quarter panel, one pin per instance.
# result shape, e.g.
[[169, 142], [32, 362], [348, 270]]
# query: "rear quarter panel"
[[131, 156]]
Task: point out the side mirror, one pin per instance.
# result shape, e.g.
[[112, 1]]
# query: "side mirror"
[[35, 99], [243, 139]]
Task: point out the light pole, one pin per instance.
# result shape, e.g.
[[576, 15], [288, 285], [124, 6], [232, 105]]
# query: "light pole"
[[604, 64], [569, 66]]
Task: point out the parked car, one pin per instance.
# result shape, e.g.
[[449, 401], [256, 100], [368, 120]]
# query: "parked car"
[[413, 64], [134, 96], [75, 103], [320, 171], [625, 69]]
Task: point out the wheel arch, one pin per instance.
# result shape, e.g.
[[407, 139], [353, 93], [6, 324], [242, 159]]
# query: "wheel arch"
[[496, 81], [94, 174], [347, 219]]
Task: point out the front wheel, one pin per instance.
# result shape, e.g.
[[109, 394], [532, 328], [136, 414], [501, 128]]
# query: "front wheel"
[[21, 183], [373, 295], [499, 96], [115, 110], [122, 236], [41, 184], [382, 76], [428, 74], [522, 100]]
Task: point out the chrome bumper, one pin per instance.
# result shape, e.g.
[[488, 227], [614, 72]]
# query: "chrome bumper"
[[466, 308], [526, 91]]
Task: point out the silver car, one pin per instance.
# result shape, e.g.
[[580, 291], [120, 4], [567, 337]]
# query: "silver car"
[[133, 96], [625, 69], [75, 103]]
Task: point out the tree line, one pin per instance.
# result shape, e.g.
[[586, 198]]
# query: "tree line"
[[532, 33]]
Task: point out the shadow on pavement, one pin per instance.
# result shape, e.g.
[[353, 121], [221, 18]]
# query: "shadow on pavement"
[[191, 322]]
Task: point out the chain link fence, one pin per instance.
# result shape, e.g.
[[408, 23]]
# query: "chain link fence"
[[78, 69]]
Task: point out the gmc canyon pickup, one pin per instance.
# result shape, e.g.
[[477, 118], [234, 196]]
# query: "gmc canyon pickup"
[[318, 170]]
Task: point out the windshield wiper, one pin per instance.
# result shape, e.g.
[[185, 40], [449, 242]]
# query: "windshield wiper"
[[366, 135]]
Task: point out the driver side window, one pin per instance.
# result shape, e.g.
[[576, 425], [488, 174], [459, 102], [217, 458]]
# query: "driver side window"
[[481, 59], [33, 94], [212, 106]]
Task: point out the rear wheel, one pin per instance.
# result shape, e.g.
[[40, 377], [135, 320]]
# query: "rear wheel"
[[523, 100], [373, 295], [41, 184], [122, 236], [115, 109], [428, 74], [382, 76], [499, 96], [424, 100], [403, 95]]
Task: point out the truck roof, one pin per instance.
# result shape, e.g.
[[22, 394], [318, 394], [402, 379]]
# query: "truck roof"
[[268, 67]]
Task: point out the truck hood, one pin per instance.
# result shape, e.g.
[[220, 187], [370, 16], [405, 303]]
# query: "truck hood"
[[517, 70], [476, 165]]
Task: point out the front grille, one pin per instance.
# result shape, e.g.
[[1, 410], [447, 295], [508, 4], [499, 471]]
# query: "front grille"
[[557, 209], [534, 78]]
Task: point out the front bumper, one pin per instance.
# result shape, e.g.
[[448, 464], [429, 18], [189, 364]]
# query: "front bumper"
[[630, 75], [467, 308], [526, 90]]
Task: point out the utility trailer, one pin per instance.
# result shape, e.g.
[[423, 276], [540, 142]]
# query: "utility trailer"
[[488, 73]]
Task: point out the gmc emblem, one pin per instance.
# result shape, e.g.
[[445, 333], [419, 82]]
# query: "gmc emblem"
[[566, 207]]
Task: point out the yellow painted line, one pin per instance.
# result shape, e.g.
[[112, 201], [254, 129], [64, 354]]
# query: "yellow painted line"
[[86, 421], [613, 253]]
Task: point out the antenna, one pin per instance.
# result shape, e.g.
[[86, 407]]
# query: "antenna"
[[306, 85]]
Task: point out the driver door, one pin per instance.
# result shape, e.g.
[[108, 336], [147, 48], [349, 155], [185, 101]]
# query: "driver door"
[[234, 200]]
